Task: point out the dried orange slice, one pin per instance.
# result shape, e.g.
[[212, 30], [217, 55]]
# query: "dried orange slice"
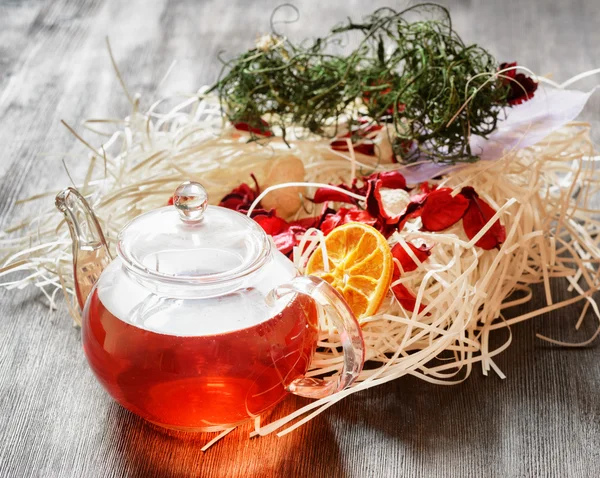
[[360, 266]]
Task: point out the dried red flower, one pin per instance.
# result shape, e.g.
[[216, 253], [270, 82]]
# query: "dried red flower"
[[242, 197], [425, 189], [361, 136], [478, 214], [442, 210], [344, 216], [412, 211], [285, 234], [386, 224], [406, 298], [402, 294], [522, 87], [407, 263], [375, 212], [362, 148], [327, 194], [369, 100], [270, 222], [390, 179], [262, 130]]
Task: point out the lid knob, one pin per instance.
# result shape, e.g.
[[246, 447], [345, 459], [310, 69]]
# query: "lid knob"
[[191, 200]]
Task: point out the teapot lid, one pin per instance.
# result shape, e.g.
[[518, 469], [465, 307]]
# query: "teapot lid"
[[192, 242]]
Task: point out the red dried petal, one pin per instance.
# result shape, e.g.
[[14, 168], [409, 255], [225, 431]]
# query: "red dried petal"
[[344, 216], [374, 203], [521, 90], [510, 73], [241, 197], [362, 147], [522, 87], [367, 149], [406, 261], [406, 298], [477, 216], [358, 215], [390, 179], [331, 222], [368, 128], [442, 210], [170, 201], [285, 242], [361, 138], [262, 130], [326, 194], [271, 223], [375, 213], [427, 188], [307, 223], [385, 223], [339, 144], [412, 211], [370, 97]]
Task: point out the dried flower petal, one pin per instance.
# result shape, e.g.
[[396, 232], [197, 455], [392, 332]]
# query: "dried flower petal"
[[361, 137], [442, 210], [412, 211], [285, 241], [387, 179], [477, 216], [362, 147], [370, 97], [326, 194], [285, 234], [390, 179], [406, 261], [262, 130], [386, 224], [406, 298], [374, 203], [241, 196], [522, 87], [344, 216]]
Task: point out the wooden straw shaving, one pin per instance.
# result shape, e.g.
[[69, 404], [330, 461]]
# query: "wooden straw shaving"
[[546, 197]]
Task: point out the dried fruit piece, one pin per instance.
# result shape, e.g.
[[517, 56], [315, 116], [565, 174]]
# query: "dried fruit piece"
[[360, 266]]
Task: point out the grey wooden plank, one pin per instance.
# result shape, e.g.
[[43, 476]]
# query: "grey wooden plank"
[[544, 420]]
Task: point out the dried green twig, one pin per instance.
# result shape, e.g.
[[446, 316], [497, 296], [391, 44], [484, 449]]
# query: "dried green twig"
[[416, 74]]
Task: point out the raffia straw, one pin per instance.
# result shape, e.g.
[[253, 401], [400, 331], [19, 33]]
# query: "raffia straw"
[[546, 197]]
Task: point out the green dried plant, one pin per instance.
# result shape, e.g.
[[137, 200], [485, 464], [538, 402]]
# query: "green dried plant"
[[416, 74]]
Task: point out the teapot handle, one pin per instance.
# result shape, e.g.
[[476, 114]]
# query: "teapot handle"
[[343, 318]]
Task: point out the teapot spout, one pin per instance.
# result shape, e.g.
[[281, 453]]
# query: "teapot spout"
[[90, 251]]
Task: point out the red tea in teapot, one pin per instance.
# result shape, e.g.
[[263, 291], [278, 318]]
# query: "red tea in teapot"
[[199, 323], [200, 380]]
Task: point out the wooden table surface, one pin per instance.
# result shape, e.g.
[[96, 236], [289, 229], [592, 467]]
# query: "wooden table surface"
[[56, 421]]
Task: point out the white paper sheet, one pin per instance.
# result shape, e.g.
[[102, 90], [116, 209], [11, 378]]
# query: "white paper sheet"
[[524, 125]]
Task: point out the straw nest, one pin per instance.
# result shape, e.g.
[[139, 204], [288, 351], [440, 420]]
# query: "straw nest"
[[544, 196]]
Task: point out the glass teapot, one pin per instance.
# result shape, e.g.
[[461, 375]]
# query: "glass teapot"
[[200, 324]]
